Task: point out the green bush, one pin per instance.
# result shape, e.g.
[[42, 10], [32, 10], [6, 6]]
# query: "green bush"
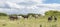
[[3, 14], [52, 13]]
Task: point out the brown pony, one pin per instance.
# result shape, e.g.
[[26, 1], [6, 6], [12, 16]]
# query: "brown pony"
[[13, 17]]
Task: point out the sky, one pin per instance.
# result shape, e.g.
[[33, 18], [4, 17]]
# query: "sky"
[[28, 6]]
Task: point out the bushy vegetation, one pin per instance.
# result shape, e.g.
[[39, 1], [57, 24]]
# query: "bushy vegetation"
[[3, 14], [52, 13]]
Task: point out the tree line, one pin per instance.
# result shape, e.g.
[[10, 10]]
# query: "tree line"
[[47, 13]]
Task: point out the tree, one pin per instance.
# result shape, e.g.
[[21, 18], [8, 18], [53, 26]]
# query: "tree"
[[14, 14], [3, 14], [52, 13], [33, 14]]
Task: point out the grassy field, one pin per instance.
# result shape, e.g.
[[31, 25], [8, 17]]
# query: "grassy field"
[[31, 22]]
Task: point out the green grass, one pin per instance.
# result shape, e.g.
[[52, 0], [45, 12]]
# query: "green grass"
[[31, 22]]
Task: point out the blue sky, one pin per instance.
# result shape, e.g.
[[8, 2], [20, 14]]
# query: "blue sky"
[[52, 1], [28, 6]]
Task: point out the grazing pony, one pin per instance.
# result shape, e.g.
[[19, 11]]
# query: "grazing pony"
[[25, 16], [50, 18], [13, 17], [55, 19]]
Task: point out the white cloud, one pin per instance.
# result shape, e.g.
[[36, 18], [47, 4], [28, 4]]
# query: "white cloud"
[[17, 1], [38, 1], [50, 6], [14, 5], [11, 6]]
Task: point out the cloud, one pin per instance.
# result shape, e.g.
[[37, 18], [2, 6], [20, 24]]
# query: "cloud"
[[10, 5], [14, 5], [4, 5], [46, 7], [17, 1], [50, 6], [28, 6], [29, 3]]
